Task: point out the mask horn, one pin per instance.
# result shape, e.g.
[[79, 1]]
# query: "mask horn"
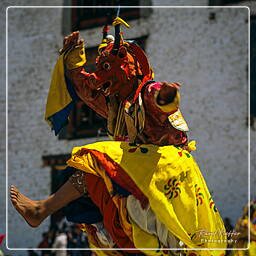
[[117, 34], [116, 46]]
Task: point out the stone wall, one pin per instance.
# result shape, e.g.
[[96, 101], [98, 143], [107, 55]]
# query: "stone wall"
[[204, 49], [209, 57]]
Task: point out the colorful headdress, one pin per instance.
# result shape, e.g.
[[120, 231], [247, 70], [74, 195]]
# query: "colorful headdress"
[[62, 96]]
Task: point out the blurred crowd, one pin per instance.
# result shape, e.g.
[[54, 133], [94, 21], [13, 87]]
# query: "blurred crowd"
[[68, 236]]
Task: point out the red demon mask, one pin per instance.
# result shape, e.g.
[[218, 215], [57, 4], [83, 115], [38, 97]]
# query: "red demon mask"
[[119, 66], [115, 74]]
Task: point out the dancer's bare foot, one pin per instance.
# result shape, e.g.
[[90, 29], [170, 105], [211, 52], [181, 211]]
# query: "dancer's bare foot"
[[31, 211], [34, 212]]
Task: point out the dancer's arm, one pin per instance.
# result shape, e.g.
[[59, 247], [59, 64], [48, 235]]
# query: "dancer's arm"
[[93, 98], [74, 61]]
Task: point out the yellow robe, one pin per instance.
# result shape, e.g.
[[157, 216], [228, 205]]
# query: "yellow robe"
[[174, 186]]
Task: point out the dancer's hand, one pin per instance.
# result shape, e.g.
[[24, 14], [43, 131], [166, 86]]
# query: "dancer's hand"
[[71, 41], [167, 93]]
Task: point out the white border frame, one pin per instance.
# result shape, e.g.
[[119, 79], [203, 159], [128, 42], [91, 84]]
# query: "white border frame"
[[127, 249]]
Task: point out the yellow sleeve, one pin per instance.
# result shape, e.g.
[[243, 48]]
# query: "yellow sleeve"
[[76, 57]]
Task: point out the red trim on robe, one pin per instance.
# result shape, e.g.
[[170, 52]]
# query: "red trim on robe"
[[100, 196], [117, 174]]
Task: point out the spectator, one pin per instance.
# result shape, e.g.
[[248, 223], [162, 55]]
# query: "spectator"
[[45, 244], [1, 241], [242, 228], [60, 242], [76, 240]]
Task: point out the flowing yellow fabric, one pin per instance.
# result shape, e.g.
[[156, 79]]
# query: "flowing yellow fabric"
[[58, 95], [143, 239], [173, 183]]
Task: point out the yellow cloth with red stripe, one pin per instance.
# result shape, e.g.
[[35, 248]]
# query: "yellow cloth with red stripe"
[[174, 186]]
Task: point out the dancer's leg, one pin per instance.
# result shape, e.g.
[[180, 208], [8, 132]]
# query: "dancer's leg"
[[34, 212]]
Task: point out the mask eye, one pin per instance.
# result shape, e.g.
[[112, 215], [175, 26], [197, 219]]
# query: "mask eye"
[[106, 66]]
